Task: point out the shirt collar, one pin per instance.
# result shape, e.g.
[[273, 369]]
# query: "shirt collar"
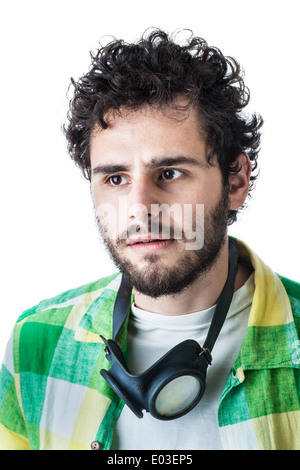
[[271, 329], [97, 319]]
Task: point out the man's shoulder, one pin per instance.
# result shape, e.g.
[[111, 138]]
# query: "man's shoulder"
[[52, 333], [292, 289], [65, 301]]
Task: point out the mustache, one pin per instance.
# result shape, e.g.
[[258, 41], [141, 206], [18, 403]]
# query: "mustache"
[[188, 229], [153, 231]]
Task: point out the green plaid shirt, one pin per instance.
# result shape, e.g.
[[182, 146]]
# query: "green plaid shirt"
[[53, 396]]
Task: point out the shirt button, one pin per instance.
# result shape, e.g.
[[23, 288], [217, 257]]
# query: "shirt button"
[[95, 445]]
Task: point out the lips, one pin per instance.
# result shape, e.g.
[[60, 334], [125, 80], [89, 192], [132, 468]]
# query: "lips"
[[149, 245], [139, 241]]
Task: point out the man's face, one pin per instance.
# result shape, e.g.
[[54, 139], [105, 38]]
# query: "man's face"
[[161, 209]]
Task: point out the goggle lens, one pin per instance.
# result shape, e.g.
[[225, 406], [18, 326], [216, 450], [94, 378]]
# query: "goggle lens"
[[177, 395]]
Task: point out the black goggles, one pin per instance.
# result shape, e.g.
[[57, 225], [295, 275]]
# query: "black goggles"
[[175, 384]]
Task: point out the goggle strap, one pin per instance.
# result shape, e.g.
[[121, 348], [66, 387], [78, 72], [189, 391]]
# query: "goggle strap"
[[224, 300], [121, 307]]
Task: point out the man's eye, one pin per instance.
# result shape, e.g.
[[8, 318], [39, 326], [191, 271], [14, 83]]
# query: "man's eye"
[[170, 174], [117, 180]]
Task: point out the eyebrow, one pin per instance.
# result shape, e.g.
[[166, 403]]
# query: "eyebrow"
[[155, 162], [109, 169], [172, 161]]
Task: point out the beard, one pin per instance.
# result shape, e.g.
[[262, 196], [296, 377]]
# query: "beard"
[[156, 280]]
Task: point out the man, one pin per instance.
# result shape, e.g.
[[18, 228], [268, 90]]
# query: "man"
[[158, 130]]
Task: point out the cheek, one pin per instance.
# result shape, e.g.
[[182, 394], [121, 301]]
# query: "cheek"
[[198, 202], [207, 193], [102, 203], [112, 216], [210, 191]]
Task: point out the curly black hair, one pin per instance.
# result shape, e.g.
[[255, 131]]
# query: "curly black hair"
[[156, 71]]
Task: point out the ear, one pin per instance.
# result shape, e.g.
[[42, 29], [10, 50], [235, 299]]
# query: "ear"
[[239, 182]]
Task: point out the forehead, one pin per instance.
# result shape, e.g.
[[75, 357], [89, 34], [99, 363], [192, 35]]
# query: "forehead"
[[146, 133]]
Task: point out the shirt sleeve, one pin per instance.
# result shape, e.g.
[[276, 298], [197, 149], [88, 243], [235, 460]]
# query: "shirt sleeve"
[[13, 433]]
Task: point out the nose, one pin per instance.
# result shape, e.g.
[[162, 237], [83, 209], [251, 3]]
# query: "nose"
[[143, 194]]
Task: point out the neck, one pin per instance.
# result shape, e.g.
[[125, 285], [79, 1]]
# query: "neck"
[[200, 295]]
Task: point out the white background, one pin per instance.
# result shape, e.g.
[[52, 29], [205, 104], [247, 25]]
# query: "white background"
[[49, 242]]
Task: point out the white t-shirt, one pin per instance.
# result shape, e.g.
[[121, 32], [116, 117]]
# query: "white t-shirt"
[[151, 335]]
